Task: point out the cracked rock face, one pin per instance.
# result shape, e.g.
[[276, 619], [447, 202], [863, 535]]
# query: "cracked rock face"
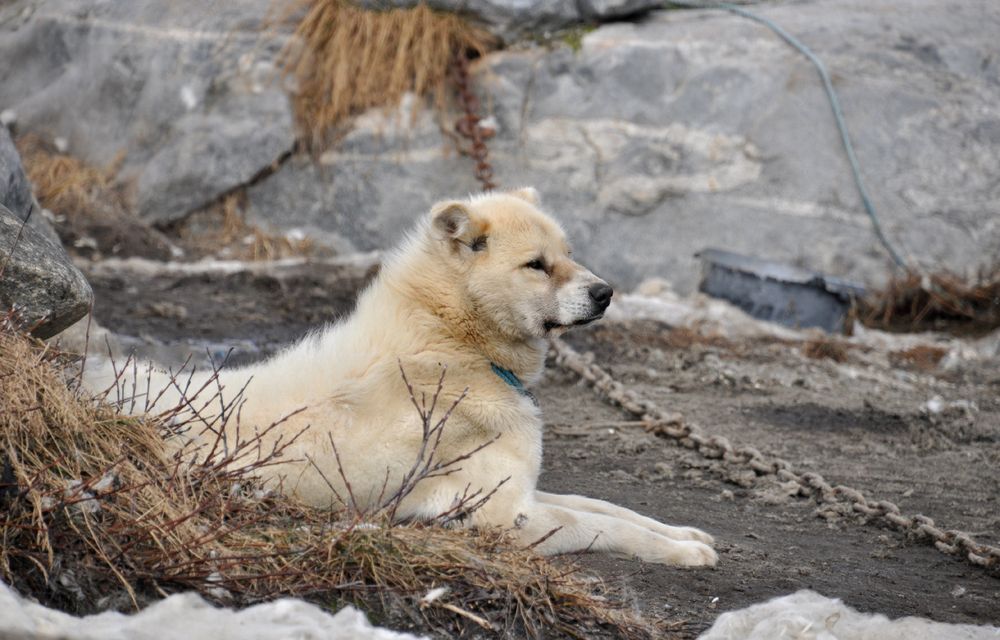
[[636, 167], [654, 139], [695, 129], [15, 190], [38, 279], [186, 90], [511, 19], [36, 276], [508, 19]]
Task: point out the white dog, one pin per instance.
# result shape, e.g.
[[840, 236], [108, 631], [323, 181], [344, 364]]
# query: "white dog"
[[476, 288]]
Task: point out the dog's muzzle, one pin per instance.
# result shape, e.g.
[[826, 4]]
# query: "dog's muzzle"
[[600, 296]]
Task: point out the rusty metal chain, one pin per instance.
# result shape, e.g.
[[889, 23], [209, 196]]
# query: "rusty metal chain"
[[810, 484], [469, 124]]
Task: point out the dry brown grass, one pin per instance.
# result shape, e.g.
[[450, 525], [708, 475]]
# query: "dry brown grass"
[[222, 230], [823, 348], [93, 214], [346, 59], [62, 183], [96, 512], [922, 357], [686, 337], [250, 242], [937, 302]]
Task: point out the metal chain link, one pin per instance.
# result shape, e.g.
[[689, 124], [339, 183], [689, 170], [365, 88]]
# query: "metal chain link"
[[811, 484], [469, 124]]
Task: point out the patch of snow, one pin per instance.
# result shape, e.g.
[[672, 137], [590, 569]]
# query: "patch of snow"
[[189, 616], [433, 595], [935, 405], [806, 615], [655, 299], [8, 117], [112, 266], [188, 97]]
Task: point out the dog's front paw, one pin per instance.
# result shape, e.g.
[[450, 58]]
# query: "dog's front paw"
[[690, 533], [686, 553], [699, 555]]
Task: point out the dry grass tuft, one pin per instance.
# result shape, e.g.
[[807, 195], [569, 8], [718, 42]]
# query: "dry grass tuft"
[[922, 357], [938, 302], [686, 337], [823, 348], [62, 183], [346, 59], [93, 215], [222, 230], [97, 512]]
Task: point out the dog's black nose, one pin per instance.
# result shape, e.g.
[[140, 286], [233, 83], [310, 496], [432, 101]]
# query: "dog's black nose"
[[601, 294]]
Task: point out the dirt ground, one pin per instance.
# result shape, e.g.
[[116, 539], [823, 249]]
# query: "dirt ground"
[[856, 422]]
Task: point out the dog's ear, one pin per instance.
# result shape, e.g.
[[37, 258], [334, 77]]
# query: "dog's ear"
[[528, 194], [451, 219]]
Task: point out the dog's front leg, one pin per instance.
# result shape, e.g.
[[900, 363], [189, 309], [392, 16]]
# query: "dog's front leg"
[[592, 505], [574, 530]]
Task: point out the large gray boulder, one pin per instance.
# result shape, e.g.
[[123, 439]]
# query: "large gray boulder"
[[15, 191], [38, 280], [186, 89], [513, 19], [651, 140], [693, 129], [509, 19]]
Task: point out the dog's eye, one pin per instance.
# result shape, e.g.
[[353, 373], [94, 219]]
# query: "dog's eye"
[[479, 244], [536, 264]]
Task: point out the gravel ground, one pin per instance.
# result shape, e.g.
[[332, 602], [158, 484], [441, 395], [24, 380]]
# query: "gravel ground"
[[924, 437]]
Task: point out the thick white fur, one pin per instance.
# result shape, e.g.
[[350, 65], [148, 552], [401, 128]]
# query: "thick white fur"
[[459, 293]]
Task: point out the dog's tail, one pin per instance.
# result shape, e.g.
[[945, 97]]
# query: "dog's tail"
[[144, 388]]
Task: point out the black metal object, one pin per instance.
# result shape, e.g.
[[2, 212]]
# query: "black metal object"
[[777, 292]]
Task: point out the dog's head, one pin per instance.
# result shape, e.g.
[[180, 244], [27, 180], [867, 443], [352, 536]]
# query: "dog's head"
[[514, 264]]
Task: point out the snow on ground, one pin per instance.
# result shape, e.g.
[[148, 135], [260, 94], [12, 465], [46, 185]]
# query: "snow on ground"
[[806, 615], [655, 299], [189, 616]]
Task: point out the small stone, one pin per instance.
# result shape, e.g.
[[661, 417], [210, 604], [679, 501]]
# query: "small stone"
[[934, 406], [39, 280]]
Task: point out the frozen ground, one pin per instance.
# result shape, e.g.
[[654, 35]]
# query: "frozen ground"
[[926, 437]]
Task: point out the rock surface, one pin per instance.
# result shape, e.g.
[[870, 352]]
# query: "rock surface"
[[513, 19], [651, 140], [700, 128], [15, 190], [186, 90], [509, 19], [189, 616], [38, 279]]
